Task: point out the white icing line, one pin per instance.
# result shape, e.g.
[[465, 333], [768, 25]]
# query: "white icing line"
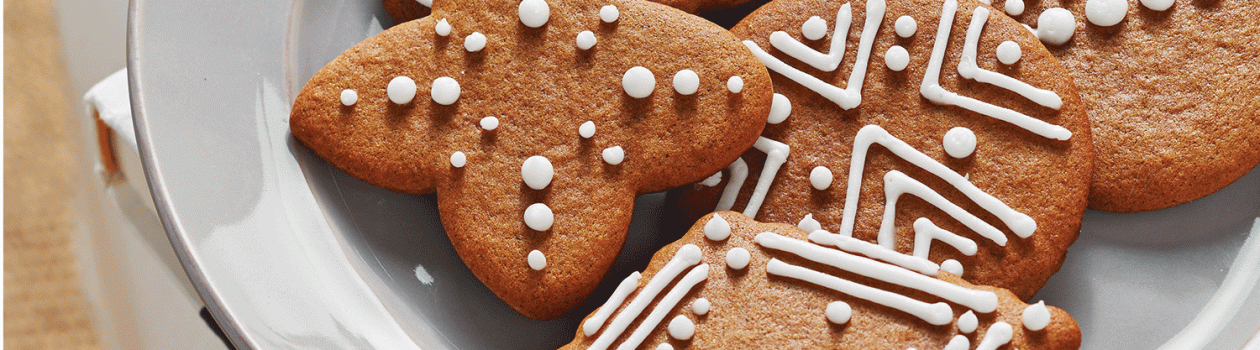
[[618, 297], [998, 334], [776, 155], [851, 96], [967, 67], [1020, 223], [932, 90], [667, 303], [978, 300], [925, 231], [823, 61], [875, 251], [935, 314], [897, 183], [739, 173], [687, 256]]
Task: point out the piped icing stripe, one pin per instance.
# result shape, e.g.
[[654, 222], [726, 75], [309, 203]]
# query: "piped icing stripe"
[[932, 90], [823, 61], [959, 342], [667, 303], [851, 96], [980, 301], [935, 314], [897, 183], [1020, 223], [875, 251], [968, 68], [998, 334], [739, 174], [776, 155], [618, 297], [687, 256], [925, 231]]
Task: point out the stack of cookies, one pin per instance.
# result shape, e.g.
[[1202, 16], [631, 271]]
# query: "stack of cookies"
[[884, 174]]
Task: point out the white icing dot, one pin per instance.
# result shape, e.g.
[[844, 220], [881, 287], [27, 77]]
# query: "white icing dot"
[[906, 26], [735, 84], [537, 260], [780, 108], [587, 129], [442, 28], [638, 82], [839, 312], [737, 258], [609, 13], [1158, 5], [1008, 52], [537, 172], [458, 159], [1036, 317], [896, 58], [1106, 13], [820, 177], [712, 180], [808, 224], [1056, 26], [959, 142], [700, 306], [586, 40], [445, 91], [1014, 7], [686, 82], [349, 97], [401, 90], [814, 28], [717, 228], [426, 3], [681, 328], [614, 155], [664, 346], [534, 13], [538, 217], [967, 323], [952, 266], [489, 123], [475, 42]]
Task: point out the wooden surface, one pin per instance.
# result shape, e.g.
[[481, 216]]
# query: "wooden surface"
[[43, 306]]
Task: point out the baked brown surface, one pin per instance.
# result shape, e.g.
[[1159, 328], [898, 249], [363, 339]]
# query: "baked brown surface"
[[1046, 179], [405, 10], [1172, 96], [751, 309], [541, 87]]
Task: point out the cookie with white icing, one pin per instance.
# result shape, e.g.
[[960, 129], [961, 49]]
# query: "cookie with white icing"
[[734, 283], [405, 10], [537, 123], [1170, 86], [941, 129]]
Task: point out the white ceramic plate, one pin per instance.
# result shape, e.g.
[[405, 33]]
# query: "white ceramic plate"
[[290, 253]]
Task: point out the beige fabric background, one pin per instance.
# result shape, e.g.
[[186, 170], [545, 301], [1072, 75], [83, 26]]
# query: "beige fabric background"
[[43, 306]]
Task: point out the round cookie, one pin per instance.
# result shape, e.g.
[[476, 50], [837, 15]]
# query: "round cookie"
[[1170, 88], [406, 10], [765, 286], [536, 123], [904, 150]]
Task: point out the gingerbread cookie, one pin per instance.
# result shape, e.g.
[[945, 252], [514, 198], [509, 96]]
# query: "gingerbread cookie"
[[734, 283], [406, 10], [1170, 87], [537, 123], [905, 121]]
